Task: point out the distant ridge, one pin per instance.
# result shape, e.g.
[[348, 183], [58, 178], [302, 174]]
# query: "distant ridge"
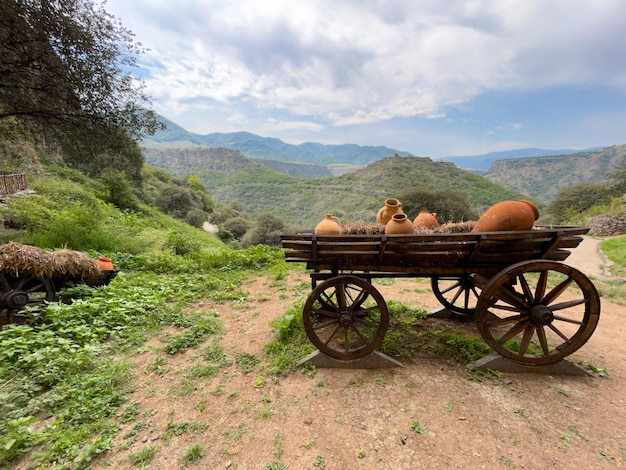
[[255, 146], [484, 162]]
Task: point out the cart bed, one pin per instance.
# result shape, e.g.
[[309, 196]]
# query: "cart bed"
[[431, 254]]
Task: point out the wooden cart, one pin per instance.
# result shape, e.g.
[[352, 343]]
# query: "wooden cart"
[[528, 305], [27, 290]]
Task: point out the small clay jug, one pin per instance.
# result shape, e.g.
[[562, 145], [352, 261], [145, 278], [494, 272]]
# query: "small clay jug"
[[328, 226], [104, 263], [426, 219], [508, 215], [392, 206], [399, 224]]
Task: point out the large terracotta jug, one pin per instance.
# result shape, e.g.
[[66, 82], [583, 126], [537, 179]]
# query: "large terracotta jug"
[[392, 206], [328, 226], [399, 224], [508, 215], [427, 219]]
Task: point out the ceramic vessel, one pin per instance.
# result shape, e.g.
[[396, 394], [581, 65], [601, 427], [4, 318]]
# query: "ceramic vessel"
[[399, 224], [104, 263], [392, 206], [328, 226], [508, 215], [427, 219]]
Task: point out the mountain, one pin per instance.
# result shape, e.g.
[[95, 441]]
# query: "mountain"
[[481, 163], [255, 146], [353, 197], [543, 177]]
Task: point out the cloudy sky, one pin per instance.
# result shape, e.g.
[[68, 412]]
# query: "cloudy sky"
[[432, 77]]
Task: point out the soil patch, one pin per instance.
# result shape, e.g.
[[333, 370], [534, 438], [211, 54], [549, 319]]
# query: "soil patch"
[[431, 413]]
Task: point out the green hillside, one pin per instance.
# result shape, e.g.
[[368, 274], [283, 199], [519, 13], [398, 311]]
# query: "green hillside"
[[543, 177], [354, 197]]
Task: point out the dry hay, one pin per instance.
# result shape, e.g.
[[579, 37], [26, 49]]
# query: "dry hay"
[[363, 229], [18, 259], [379, 229]]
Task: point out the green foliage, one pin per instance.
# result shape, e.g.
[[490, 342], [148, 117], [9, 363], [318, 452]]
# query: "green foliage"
[[202, 326], [266, 231], [577, 199], [118, 190], [449, 205], [354, 197], [65, 75]]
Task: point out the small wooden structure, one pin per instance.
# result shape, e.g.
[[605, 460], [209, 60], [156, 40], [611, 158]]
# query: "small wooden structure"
[[11, 183], [528, 305]]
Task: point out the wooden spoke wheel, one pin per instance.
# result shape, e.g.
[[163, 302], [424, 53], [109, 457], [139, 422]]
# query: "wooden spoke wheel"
[[457, 294], [345, 317], [538, 312], [17, 293]]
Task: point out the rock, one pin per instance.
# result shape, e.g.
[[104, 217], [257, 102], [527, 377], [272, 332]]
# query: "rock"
[[607, 226]]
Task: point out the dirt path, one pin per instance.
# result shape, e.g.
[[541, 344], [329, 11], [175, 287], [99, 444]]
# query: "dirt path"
[[432, 413], [588, 258]]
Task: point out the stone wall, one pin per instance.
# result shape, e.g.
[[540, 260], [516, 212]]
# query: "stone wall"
[[607, 226]]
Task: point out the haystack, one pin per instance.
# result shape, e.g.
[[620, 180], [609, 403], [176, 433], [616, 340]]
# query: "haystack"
[[379, 229], [18, 259]]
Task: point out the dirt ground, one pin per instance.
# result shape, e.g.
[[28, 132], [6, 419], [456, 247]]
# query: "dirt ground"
[[431, 413]]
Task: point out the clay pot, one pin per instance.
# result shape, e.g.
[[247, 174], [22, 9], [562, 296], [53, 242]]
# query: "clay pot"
[[399, 224], [328, 226], [392, 206], [104, 263], [508, 215], [427, 219]]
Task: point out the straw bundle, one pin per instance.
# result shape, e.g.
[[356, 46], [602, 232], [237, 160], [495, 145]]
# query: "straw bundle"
[[18, 259], [379, 229]]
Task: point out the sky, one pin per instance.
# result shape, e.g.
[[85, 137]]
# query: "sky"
[[431, 77]]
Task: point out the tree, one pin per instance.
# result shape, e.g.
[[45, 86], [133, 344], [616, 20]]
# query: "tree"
[[450, 205], [64, 71], [266, 231], [577, 198]]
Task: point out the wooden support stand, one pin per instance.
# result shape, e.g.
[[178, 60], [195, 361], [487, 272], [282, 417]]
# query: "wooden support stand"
[[375, 360]]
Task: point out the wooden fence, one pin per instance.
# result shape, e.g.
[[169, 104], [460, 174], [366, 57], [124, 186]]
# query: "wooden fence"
[[12, 182]]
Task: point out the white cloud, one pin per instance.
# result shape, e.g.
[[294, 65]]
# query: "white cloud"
[[275, 124], [354, 62]]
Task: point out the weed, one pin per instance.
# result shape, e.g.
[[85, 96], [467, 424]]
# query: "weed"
[[319, 462], [143, 457], [519, 411], [246, 362], [194, 453], [276, 466], [417, 427], [355, 382], [381, 382], [601, 372], [259, 382], [264, 413], [562, 391], [449, 407], [506, 461], [361, 453]]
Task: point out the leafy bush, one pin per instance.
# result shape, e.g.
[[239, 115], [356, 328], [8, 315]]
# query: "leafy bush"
[[450, 205], [577, 199]]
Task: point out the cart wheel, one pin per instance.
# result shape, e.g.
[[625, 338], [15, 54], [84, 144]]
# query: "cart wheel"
[[21, 292], [345, 317], [458, 294], [538, 312]]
